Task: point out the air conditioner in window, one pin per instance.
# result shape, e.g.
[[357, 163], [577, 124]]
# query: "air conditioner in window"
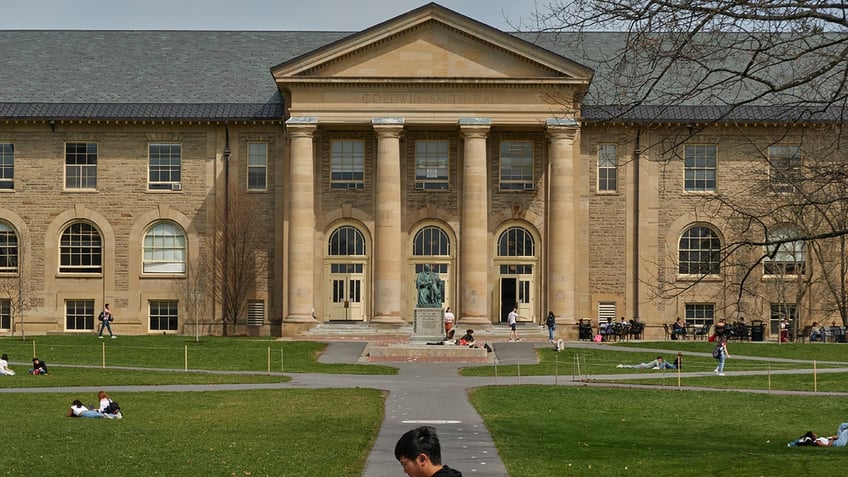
[[176, 187], [419, 186], [351, 185], [529, 186]]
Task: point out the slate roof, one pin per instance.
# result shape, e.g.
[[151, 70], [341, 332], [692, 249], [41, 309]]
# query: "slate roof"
[[225, 75]]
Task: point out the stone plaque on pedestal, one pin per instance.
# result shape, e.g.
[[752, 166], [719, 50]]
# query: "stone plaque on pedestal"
[[428, 325]]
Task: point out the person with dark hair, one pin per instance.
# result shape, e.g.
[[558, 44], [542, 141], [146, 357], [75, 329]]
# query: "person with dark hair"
[[106, 318], [420, 454], [4, 366], [840, 439], [550, 323], [38, 367]]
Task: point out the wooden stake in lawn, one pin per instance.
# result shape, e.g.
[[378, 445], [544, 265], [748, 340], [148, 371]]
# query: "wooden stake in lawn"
[[33, 349], [269, 361], [185, 357], [282, 364], [815, 378], [103, 354]]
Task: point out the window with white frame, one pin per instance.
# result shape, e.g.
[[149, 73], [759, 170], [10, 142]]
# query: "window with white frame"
[[699, 252], [164, 167], [606, 311], [700, 313], [347, 164], [5, 314], [779, 311], [163, 315], [80, 249], [784, 168], [8, 248], [164, 248], [257, 166], [431, 165], [699, 168], [516, 165], [784, 255], [607, 167], [79, 315], [7, 166], [80, 165]]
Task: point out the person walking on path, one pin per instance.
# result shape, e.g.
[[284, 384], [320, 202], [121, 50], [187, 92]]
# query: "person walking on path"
[[550, 322], [720, 353], [106, 319], [511, 319]]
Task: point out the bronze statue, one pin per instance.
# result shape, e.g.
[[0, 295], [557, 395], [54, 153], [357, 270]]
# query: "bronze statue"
[[430, 288]]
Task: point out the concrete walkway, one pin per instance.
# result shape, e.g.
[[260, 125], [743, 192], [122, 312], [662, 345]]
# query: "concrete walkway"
[[430, 394]]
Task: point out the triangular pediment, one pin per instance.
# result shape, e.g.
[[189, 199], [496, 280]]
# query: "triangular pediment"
[[430, 44]]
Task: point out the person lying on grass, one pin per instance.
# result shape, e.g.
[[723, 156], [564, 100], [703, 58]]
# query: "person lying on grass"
[[658, 363], [840, 439]]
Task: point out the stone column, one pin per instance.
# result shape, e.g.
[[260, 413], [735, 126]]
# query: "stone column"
[[301, 275], [562, 228], [388, 250], [474, 225]]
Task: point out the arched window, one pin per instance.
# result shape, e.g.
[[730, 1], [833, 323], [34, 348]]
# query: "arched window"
[[8, 248], [347, 240], [164, 249], [516, 242], [784, 256], [81, 249], [431, 241], [699, 252]]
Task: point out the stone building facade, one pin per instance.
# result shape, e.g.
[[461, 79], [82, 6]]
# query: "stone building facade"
[[429, 139]]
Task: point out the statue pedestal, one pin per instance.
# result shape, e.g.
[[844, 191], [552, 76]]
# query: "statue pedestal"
[[428, 325]]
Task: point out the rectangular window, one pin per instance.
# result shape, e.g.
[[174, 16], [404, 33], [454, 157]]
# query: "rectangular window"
[[7, 166], [255, 313], [164, 315], [607, 168], [431, 165], [785, 168], [700, 168], [5, 314], [347, 164], [79, 315], [779, 311], [165, 166], [517, 165], [700, 313], [257, 166], [80, 165]]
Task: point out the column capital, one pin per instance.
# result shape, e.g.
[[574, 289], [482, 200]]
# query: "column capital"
[[387, 127], [301, 126], [561, 128], [475, 127]]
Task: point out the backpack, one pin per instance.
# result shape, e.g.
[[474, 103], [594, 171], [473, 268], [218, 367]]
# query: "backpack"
[[112, 408], [102, 314], [717, 351]]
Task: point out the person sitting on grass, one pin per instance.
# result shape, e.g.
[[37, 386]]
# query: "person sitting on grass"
[[38, 367], [658, 363], [4, 366]]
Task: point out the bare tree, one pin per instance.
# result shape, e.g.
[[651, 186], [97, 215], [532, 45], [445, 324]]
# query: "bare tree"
[[676, 69], [198, 286], [19, 293], [240, 261]]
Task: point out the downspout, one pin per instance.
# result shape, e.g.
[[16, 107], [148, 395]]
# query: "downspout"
[[637, 152], [225, 259]]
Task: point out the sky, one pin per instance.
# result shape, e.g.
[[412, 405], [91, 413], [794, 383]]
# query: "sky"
[[329, 15]]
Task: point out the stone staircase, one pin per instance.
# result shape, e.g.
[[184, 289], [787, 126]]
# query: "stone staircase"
[[364, 331]]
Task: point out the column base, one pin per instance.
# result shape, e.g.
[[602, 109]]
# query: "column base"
[[388, 320], [473, 320]]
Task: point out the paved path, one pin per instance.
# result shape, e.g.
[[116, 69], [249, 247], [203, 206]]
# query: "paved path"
[[432, 393]]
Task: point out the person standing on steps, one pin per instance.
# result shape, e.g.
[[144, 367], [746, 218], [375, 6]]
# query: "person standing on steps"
[[511, 319], [550, 322], [106, 319]]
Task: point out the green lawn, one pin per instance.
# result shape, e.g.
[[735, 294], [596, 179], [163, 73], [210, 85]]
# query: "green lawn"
[[295, 432], [568, 431]]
